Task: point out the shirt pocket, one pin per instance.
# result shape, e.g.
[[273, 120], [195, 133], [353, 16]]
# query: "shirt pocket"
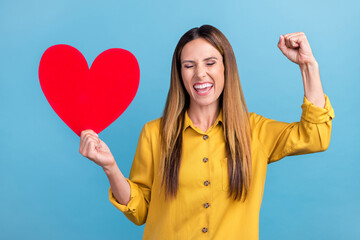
[[224, 175]]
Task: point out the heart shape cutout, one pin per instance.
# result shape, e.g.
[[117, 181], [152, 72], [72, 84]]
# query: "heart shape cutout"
[[88, 98]]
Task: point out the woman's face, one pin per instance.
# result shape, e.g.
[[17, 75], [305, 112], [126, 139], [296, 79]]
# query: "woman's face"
[[202, 71]]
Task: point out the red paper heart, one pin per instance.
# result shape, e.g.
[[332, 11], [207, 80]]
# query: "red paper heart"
[[88, 98]]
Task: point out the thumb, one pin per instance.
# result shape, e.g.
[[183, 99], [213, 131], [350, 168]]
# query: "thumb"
[[281, 45], [98, 146]]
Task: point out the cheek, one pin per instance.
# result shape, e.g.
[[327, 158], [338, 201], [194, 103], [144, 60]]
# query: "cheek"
[[220, 86], [186, 76], [220, 76], [186, 81]]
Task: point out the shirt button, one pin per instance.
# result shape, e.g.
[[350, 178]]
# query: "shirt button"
[[205, 159], [205, 137], [206, 205], [206, 183], [204, 230]]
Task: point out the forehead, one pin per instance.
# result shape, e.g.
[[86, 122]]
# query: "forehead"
[[199, 49]]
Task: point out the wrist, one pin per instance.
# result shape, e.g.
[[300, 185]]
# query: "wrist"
[[312, 83], [110, 168], [309, 66]]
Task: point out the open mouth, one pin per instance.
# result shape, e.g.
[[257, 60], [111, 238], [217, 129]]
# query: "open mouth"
[[203, 88]]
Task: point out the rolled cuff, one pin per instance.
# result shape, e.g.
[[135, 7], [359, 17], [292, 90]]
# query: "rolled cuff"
[[131, 205], [315, 114]]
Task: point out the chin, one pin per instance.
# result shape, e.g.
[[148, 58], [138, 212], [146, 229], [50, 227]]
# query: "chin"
[[205, 103]]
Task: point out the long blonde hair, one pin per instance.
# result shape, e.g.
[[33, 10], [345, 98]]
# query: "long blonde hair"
[[235, 118]]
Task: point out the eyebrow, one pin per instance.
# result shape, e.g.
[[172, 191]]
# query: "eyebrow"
[[203, 60]]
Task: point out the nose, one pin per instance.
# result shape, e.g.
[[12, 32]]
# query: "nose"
[[200, 71]]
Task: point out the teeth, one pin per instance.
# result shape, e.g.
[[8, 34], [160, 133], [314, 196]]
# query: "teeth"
[[202, 86]]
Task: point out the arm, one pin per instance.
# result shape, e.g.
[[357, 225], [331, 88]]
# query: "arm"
[[312, 133], [312, 84], [132, 195], [118, 183], [92, 147], [296, 48]]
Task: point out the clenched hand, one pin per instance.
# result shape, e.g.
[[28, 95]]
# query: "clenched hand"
[[92, 147], [296, 48]]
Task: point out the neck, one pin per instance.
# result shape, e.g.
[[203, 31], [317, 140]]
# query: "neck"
[[203, 117]]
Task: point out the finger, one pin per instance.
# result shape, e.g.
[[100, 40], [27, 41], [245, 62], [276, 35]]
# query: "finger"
[[91, 145], [87, 140], [82, 143], [303, 43], [293, 43], [83, 137], [98, 146], [290, 34], [290, 43], [89, 149], [281, 44], [84, 132], [92, 139], [87, 136], [287, 37], [100, 143], [293, 40], [287, 41]]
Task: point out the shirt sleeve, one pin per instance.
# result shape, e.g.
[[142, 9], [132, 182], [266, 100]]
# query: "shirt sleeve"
[[140, 180], [311, 134]]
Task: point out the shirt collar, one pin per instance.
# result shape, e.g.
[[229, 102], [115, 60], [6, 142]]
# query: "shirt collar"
[[189, 123]]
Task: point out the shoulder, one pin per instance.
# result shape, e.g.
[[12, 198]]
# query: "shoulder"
[[152, 127], [257, 121], [153, 124], [255, 118]]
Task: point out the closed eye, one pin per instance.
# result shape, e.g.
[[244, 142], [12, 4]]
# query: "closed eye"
[[208, 64]]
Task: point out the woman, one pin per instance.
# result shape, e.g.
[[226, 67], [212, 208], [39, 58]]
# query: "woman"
[[199, 171]]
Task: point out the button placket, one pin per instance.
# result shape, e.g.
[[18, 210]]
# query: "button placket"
[[206, 183]]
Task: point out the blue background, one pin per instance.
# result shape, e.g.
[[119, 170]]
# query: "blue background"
[[49, 191]]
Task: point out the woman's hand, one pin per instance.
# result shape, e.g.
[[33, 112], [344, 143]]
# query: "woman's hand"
[[97, 151], [92, 147], [296, 48]]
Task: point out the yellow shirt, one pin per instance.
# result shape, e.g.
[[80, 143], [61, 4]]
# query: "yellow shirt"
[[202, 209]]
